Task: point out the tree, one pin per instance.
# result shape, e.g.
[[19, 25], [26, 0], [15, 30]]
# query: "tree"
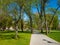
[[43, 10], [21, 5], [29, 13], [16, 20], [5, 22], [24, 6], [55, 22], [54, 11], [38, 6], [30, 18]]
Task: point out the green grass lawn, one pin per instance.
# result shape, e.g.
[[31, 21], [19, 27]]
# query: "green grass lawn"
[[7, 38], [55, 34]]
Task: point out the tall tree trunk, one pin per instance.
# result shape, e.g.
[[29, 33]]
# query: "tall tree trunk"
[[21, 18], [28, 12], [16, 30], [46, 26], [41, 16], [41, 21], [31, 23], [22, 25], [43, 13]]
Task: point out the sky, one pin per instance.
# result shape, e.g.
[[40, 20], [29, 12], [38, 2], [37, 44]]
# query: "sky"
[[52, 4]]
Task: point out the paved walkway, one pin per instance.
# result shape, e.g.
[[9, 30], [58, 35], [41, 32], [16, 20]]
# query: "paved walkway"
[[40, 39]]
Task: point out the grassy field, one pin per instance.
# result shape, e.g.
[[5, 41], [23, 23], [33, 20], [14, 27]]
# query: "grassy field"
[[7, 38], [55, 34]]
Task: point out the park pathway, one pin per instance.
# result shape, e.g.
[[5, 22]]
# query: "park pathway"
[[40, 39]]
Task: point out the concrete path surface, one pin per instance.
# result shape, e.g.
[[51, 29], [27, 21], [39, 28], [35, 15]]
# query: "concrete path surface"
[[40, 39]]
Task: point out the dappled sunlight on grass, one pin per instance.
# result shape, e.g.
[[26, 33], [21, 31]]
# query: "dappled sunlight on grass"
[[55, 34], [8, 38]]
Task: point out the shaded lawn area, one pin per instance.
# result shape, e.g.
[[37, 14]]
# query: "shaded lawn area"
[[7, 38], [55, 34]]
